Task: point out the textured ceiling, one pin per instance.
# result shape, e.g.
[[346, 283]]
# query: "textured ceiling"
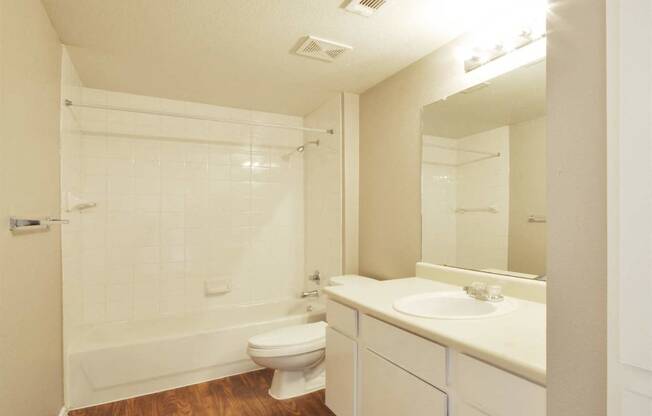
[[509, 99], [237, 52]]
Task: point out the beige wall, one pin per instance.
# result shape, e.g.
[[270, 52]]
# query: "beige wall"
[[30, 266], [527, 196], [390, 202], [577, 227], [390, 152]]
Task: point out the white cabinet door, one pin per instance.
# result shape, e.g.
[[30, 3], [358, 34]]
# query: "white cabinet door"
[[341, 363], [391, 391]]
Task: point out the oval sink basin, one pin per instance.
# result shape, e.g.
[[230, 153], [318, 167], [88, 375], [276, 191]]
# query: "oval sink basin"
[[451, 305]]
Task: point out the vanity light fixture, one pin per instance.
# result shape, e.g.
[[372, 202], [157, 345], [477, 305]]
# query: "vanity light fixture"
[[509, 25], [483, 55]]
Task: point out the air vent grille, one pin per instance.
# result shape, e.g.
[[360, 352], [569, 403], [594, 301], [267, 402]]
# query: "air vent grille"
[[324, 50], [364, 7]]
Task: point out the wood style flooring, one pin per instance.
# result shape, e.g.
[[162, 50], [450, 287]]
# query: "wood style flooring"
[[241, 395]]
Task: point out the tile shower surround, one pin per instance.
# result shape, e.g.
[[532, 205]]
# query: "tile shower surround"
[[180, 202]]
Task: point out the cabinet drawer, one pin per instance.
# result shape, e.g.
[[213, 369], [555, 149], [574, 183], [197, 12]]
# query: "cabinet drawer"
[[495, 391], [421, 357], [390, 391], [342, 318]]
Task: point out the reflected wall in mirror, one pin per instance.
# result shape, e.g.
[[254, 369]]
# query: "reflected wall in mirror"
[[484, 176]]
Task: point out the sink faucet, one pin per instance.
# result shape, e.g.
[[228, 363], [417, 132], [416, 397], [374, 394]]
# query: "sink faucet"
[[480, 291], [311, 293]]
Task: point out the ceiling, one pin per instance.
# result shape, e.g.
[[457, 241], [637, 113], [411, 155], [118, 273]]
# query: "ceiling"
[[508, 99], [238, 52]]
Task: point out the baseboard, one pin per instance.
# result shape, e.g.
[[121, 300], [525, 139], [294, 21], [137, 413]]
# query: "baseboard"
[[63, 411]]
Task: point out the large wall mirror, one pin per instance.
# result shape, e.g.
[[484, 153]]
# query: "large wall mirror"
[[484, 176]]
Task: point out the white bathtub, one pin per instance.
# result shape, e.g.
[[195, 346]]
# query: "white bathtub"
[[117, 361]]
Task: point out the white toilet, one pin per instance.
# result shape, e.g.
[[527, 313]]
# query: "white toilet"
[[296, 353]]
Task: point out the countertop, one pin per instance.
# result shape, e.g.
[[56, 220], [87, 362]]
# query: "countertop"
[[515, 342]]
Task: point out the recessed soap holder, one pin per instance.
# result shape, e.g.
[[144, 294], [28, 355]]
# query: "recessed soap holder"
[[214, 287], [75, 203]]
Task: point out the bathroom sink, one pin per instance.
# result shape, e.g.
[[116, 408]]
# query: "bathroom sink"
[[451, 305]]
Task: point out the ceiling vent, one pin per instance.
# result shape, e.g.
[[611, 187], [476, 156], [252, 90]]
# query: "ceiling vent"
[[321, 49], [364, 7]]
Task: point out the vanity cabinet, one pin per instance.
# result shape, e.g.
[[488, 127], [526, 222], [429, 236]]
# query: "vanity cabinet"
[[496, 391], [342, 318], [422, 358], [374, 368], [341, 359]]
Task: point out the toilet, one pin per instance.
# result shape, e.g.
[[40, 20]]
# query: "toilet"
[[296, 353]]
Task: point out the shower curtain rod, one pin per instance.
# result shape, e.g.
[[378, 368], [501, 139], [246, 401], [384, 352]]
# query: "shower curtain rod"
[[69, 103]]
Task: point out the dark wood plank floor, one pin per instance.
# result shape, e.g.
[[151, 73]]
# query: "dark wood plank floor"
[[241, 395]]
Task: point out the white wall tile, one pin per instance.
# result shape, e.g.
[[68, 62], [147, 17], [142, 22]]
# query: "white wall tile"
[[472, 240], [180, 201], [93, 146]]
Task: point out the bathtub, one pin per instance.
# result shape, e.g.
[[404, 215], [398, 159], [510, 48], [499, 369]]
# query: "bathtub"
[[122, 360]]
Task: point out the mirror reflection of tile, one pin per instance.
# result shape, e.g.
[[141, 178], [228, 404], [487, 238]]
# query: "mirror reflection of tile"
[[483, 176]]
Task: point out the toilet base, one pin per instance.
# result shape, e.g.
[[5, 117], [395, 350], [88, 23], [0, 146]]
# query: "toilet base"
[[288, 384]]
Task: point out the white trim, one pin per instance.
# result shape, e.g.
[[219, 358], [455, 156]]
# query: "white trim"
[[614, 370], [63, 411], [350, 181]]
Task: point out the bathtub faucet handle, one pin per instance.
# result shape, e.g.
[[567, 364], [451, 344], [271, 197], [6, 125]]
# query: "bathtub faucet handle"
[[315, 277]]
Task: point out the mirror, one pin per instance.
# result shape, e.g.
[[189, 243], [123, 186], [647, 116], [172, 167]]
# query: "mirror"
[[484, 176]]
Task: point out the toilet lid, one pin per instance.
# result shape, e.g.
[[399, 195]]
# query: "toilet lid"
[[290, 336]]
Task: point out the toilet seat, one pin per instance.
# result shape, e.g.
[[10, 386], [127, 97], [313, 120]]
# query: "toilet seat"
[[292, 340]]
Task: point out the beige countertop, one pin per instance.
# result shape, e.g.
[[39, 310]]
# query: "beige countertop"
[[515, 342]]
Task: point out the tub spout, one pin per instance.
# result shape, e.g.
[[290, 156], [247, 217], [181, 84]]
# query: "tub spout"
[[312, 293]]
